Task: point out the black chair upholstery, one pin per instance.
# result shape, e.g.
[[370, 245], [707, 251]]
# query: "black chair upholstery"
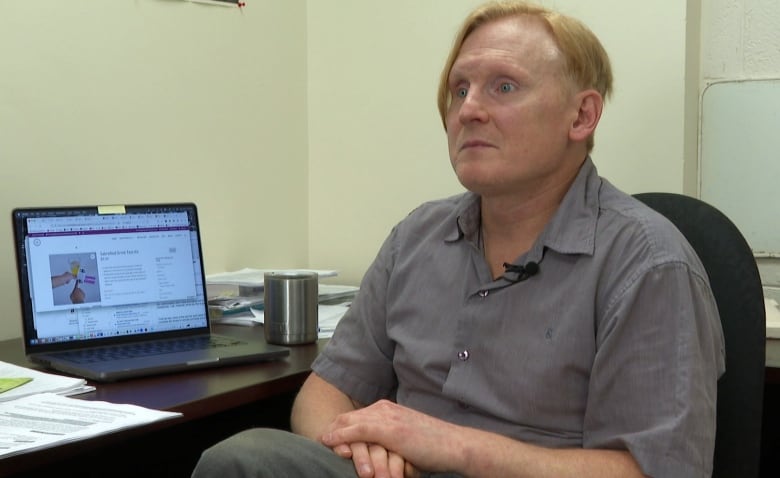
[[736, 285]]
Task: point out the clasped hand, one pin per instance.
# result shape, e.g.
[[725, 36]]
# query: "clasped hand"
[[389, 440]]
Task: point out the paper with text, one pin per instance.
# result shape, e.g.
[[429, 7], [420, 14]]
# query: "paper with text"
[[47, 419]]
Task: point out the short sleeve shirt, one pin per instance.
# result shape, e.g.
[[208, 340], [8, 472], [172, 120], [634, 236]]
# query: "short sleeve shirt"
[[614, 343]]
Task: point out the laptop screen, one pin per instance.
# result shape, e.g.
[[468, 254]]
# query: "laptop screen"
[[103, 274]]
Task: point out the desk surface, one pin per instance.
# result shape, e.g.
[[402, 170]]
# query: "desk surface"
[[195, 394], [199, 394]]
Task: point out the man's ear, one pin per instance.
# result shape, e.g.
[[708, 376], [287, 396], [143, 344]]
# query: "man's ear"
[[590, 105]]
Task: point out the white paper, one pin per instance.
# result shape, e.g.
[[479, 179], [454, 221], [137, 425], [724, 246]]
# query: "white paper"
[[256, 277], [248, 318], [336, 290], [47, 419], [328, 317], [41, 382]]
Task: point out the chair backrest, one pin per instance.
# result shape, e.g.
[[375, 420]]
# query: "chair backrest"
[[736, 285]]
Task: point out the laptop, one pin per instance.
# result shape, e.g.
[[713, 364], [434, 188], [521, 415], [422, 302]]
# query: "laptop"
[[115, 292]]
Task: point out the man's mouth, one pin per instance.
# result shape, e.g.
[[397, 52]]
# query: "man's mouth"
[[475, 143]]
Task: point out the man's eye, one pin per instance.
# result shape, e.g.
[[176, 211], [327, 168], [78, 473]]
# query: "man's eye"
[[506, 87]]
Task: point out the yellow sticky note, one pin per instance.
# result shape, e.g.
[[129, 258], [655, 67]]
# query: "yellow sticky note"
[[9, 383], [111, 209]]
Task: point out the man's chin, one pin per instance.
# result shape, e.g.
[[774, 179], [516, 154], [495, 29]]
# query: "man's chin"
[[479, 187], [476, 177]]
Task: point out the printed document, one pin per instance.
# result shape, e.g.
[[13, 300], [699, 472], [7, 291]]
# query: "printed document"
[[47, 419]]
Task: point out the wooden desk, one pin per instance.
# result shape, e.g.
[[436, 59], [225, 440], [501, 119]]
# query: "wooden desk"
[[215, 403]]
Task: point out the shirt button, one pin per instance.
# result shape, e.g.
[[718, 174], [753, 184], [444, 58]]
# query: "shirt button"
[[463, 355], [484, 293]]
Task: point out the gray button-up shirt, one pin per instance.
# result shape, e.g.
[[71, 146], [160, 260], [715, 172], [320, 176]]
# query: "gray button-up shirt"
[[614, 343]]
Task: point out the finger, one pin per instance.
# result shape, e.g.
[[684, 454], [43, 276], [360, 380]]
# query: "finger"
[[379, 459], [396, 464], [362, 460], [343, 450], [410, 471]]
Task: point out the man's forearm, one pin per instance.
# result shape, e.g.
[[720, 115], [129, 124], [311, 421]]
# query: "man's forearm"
[[316, 405], [492, 455], [435, 445]]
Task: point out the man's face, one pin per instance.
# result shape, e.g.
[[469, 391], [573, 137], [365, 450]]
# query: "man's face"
[[511, 110]]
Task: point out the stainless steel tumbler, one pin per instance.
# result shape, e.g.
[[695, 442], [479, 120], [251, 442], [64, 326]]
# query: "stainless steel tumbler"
[[290, 307]]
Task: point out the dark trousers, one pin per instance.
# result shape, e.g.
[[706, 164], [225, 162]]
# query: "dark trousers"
[[265, 452]]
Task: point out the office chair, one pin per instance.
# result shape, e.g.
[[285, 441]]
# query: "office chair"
[[736, 285]]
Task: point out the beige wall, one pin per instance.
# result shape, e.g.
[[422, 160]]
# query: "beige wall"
[[146, 100], [316, 120], [376, 145], [740, 41]]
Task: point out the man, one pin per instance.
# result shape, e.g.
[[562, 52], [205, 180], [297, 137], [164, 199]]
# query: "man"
[[541, 324]]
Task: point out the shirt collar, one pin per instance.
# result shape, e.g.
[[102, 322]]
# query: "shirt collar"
[[571, 230], [467, 219]]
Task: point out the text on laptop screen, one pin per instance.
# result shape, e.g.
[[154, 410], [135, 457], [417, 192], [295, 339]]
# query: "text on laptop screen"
[[97, 276]]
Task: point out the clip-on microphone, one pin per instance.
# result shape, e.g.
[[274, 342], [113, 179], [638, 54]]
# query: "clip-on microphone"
[[523, 272]]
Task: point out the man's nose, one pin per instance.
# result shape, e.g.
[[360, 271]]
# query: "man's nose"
[[472, 108]]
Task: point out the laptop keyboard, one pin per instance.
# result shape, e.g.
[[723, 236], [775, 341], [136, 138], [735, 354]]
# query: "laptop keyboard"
[[145, 349]]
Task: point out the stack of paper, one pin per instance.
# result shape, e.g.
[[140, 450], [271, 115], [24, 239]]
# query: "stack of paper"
[[256, 277], [228, 306], [336, 294], [249, 317], [44, 420], [35, 412], [39, 382], [329, 317]]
